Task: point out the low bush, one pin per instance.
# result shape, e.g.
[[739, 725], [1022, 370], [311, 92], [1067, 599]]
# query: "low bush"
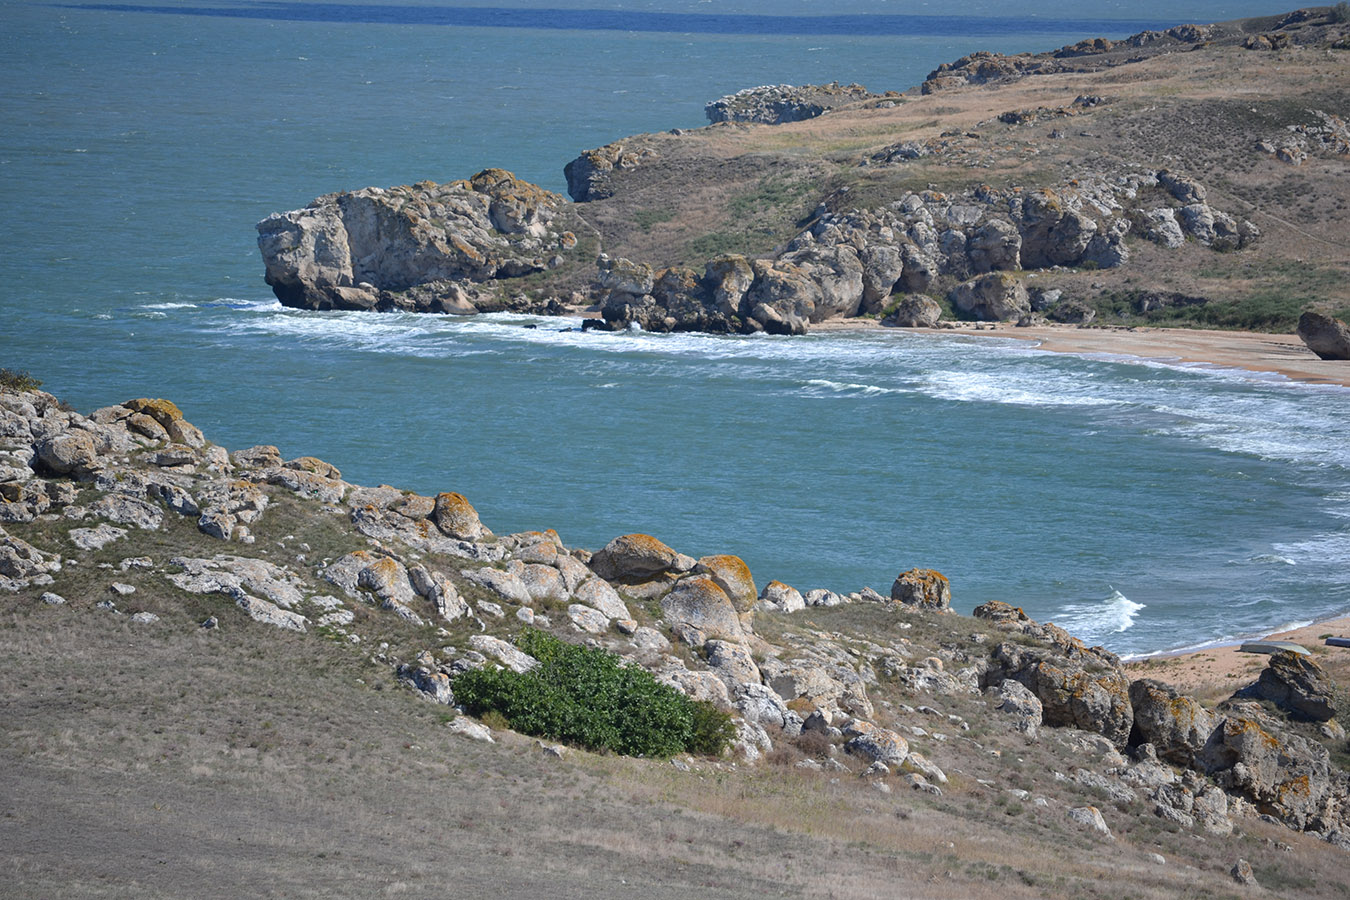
[[589, 698], [15, 380]]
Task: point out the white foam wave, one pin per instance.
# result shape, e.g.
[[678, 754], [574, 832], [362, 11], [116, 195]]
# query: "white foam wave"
[[1006, 388], [1113, 614], [169, 306], [850, 388]]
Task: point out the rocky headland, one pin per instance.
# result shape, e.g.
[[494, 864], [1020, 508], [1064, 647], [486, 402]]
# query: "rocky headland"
[[130, 519], [1193, 176]]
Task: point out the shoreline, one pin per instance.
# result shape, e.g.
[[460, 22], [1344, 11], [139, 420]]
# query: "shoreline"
[[1214, 671], [1253, 351]]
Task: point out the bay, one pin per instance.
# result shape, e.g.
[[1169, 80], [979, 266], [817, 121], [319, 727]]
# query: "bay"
[[139, 143]]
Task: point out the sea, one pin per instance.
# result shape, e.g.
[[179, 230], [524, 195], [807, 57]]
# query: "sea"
[[1144, 505]]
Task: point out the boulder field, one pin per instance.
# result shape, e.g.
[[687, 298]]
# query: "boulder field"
[[103, 512]]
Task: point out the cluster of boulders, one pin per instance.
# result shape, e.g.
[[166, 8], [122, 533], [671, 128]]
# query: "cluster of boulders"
[[590, 175], [1328, 136], [850, 263], [1238, 758], [696, 624], [984, 66], [775, 104], [427, 247]]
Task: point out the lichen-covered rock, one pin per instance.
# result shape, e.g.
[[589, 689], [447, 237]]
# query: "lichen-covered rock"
[[456, 518], [732, 576], [1017, 700], [732, 662], [1288, 777], [1296, 683], [1087, 690], [596, 593], [68, 453], [1176, 725], [699, 602], [590, 175], [505, 585], [781, 597], [633, 557], [924, 588], [588, 620]]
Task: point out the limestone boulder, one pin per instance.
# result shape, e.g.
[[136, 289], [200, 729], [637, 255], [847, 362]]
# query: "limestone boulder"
[[365, 249], [732, 575], [1297, 684], [1176, 725], [726, 279], [504, 585], [1090, 692], [837, 272], [882, 266], [781, 597], [1016, 699], [924, 588], [69, 453], [732, 661], [456, 518], [914, 311], [995, 297], [995, 245], [1327, 337], [699, 602], [875, 744], [597, 593], [783, 297], [1286, 776], [634, 557]]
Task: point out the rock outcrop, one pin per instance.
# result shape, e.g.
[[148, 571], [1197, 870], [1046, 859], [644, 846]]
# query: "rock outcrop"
[[1327, 337], [775, 104], [429, 247]]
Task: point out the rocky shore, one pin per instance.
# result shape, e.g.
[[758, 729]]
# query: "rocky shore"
[[1030, 189], [130, 513]]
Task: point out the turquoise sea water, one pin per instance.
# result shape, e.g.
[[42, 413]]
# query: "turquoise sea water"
[[140, 142]]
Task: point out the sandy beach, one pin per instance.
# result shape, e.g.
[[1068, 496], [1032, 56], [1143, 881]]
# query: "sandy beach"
[[1214, 673], [1282, 354]]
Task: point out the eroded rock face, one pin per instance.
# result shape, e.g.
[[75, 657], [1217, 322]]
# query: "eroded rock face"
[[914, 311], [1296, 683], [1288, 777], [1327, 337], [732, 575], [1077, 686], [359, 249], [995, 297], [1177, 726]]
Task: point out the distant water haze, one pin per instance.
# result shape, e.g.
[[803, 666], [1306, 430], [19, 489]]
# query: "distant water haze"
[[1143, 506]]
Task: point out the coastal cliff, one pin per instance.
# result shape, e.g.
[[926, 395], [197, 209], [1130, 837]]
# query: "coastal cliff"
[[130, 521], [1193, 176]]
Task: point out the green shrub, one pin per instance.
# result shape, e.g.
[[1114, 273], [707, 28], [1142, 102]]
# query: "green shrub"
[[589, 698], [16, 380], [1341, 12]]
